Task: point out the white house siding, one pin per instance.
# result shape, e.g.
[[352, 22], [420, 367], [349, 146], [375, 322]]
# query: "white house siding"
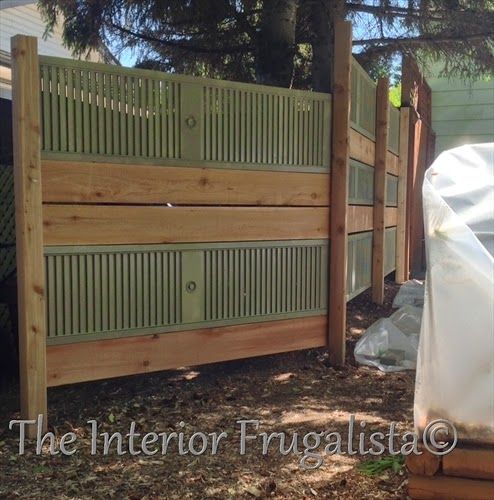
[[23, 18], [462, 112]]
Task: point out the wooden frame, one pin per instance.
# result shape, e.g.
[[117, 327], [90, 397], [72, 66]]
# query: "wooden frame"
[[464, 473], [401, 229], [339, 191], [101, 359], [381, 151], [29, 235]]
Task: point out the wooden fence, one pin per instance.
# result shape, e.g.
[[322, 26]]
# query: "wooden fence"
[[417, 97], [164, 220]]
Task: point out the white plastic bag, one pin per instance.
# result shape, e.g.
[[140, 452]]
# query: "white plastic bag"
[[455, 370], [410, 293], [391, 344]]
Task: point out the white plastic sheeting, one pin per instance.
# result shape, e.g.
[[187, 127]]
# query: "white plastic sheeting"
[[391, 344], [455, 369], [410, 293]]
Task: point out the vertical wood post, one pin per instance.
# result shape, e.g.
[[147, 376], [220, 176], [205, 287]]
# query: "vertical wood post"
[[339, 191], [29, 228], [416, 215], [401, 274], [382, 117]]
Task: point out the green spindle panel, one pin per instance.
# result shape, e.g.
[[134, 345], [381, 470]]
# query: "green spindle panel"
[[111, 291], [359, 264], [259, 123], [391, 190], [90, 108], [389, 250], [363, 101], [360, 184], [394, 130]]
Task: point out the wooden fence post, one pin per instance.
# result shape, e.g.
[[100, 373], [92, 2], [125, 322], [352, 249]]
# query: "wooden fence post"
[[339, 191], [29, 228], [401, 274], [382, 117]]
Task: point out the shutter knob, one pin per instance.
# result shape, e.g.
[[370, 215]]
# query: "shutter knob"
[[190, 121]]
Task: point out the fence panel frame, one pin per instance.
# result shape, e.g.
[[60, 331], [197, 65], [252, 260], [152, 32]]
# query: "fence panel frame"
[[339, 220]]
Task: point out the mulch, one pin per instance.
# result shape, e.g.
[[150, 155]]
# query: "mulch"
[[291, 393]]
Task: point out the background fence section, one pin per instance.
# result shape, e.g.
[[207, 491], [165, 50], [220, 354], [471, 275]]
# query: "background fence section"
[[187, 221], [362, 180]]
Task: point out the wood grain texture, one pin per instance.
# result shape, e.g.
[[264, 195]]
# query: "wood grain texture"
[[382, 116], [361, 148], [392, 163], [401, 274], [390, 216], [339, 191], [103, 359], [29, 236], [105, 224], [449, 488], [469, 462], [84, 182], [425, 464], [360, 218]]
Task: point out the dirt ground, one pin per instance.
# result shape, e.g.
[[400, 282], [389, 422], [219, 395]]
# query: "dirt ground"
[[291, 393]]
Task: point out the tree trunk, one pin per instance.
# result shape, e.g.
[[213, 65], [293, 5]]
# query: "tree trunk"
[[276, 43], [323, 15]]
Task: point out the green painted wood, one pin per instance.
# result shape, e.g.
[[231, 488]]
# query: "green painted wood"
[[391, 190], [111, 291], [363, 101], [359, 264], [191, 124], [86, 117], [389, 250], [360, 184], [394, 130], [150, 115]]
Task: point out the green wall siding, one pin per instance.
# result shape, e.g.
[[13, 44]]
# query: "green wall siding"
[[462, 112]]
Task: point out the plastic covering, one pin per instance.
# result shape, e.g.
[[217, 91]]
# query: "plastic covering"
[[455, 370], [410, 293], [391, 343]]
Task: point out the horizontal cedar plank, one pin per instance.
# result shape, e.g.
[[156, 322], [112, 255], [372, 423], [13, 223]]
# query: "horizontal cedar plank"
[[390, 216], [362, 148], [360, 218], [392, 163], [449, 488], [104, 224], [84, 182], [78, 362], [472, 463]]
